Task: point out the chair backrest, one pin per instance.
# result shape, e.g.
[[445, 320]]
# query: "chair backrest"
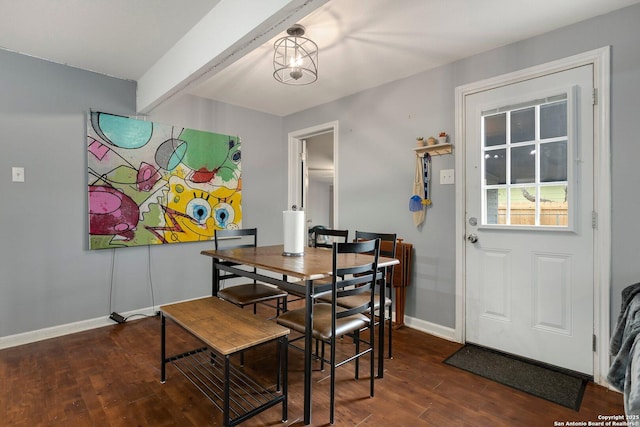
[[326, 237], [388, 245], [362, 273], [234, 239], [388, 241]]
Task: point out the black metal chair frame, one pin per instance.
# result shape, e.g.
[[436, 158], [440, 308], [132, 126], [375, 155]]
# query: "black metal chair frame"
[[387, 286], [279, 296], [342, 234], [361, 279]]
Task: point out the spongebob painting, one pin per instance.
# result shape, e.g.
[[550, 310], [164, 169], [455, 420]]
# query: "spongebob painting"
[[157, 184]]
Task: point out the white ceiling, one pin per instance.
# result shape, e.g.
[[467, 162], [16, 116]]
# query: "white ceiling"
[[120, 38], [362, 43]]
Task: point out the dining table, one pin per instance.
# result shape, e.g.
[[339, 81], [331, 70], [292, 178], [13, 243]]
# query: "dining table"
[[305, 274]]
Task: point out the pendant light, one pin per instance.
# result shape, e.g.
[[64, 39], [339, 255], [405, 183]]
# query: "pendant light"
[[295, 58]]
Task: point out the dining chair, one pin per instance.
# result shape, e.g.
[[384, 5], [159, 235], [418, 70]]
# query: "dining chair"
[[325, 237], [331, 321], [252, 293], [388, 243]]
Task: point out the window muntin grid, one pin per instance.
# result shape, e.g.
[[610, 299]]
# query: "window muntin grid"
[[525, 164]]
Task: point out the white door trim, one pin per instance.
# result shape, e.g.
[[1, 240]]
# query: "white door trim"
[[294, 178], [600, 58]]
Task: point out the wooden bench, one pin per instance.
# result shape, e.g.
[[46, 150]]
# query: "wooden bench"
[[225, 330]]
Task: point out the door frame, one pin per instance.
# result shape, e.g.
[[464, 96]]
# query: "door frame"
[[293, 172], [600, 59]]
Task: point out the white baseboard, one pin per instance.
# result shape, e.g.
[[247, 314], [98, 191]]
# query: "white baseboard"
[[69, 328], [99, 322], [430, 328]]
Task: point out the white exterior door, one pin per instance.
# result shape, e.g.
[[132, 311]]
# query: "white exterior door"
[[529, 277]]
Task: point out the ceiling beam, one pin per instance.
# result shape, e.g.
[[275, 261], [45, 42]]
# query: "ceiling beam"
[[231, 30]]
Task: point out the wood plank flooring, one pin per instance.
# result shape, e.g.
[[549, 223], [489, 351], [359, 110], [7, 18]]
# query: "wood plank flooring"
[[111, 377]]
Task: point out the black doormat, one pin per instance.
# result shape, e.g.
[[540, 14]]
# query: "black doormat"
[[557, 385]]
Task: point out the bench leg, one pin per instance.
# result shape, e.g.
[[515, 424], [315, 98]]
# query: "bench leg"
[[279, 367], [227, 375]]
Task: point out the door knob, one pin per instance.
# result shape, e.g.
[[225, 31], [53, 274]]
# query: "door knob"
[[472, 238]]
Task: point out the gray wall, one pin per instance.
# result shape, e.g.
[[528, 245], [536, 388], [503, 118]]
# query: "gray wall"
[[378, 128], [48, 277]]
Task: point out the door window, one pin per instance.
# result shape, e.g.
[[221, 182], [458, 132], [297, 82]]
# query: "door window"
[[527, 175]]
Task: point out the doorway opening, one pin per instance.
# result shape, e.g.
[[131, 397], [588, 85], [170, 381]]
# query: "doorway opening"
[[312, 174]]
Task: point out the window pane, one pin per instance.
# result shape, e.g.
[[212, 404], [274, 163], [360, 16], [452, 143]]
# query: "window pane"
[[553, 120], [523, 206], [526, 163], [495, 167], [554, 209], [553, 161], [523, 125], [495, 130], [523, 164], [496, 203]]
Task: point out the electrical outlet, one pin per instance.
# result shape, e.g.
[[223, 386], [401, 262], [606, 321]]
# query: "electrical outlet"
[[17, 174], [446, 176]]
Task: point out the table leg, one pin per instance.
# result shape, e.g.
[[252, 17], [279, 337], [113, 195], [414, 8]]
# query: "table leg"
[[284, 362], [308, 344], [215, 279], [163, 357], [401, 298], [382, 324], [390, 326]]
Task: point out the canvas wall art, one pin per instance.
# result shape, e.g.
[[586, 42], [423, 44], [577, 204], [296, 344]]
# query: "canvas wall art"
[[151, 183]]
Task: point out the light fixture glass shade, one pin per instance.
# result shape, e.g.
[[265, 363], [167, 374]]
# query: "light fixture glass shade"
[[295, 58]]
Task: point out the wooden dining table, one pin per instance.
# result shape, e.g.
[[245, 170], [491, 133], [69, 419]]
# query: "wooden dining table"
[[301, 275]]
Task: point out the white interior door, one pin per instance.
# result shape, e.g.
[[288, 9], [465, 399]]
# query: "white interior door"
[[529, 278]]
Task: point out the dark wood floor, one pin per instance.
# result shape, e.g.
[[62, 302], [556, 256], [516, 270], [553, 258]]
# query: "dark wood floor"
[[110, 377]]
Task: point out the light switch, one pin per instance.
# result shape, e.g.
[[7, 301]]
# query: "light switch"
[[446, 176], [17, 174]]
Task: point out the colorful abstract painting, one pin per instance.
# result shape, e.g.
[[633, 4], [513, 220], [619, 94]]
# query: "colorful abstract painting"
[[151, 183]]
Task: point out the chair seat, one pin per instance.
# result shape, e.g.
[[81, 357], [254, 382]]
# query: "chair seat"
[[250, 293], [357, 300], [295, 319]]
